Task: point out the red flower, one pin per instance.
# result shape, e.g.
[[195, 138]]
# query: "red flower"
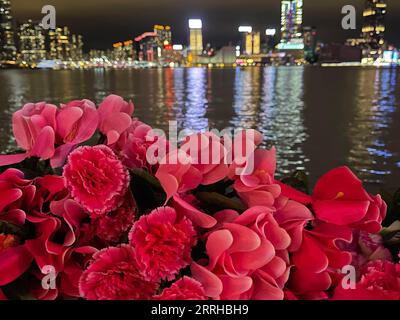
[[339, 198], [259, 188], [114, 275], [380, 280], [115, 117], [162, 243], [184, 289], [248, 257], [34, 129], [317, 262], [96, 179], [16, 196], [113, 225]]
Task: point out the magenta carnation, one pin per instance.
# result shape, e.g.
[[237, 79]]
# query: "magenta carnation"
[[184, 289], [113, 225], [114, 275], [380, 280], [96, 178], [162, 243]]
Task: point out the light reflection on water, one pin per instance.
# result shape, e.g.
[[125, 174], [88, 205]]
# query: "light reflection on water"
[[318, 118], [370, 129]]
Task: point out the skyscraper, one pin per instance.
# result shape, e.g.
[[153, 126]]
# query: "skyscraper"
[[291, 24], [32, 42], [76, 47], [373, 30], [59, 44], [196, 36], [8, 50]]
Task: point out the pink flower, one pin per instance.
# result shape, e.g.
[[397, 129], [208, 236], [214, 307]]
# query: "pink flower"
[[293, 217], [112, 226], [162, 243], [186, 205], [317, 262], [380, 280], [366, 247], [200, 160], [115, 117], [184, 289], [77, 122], [140, 147], [114, 275], [96, 179], [259, 188], [14, 261], [207, 155], [339, 198], [248, 257], [17, 195], [177, 175], [34, 130]]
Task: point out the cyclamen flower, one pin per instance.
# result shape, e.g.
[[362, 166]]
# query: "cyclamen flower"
[[248, 257], [260, 187], [34, 130], [184, 289], [162, 243], [77, 122], [317, 262], [114, 275], [96, 179], [380, 280], [340, 199], [17, 195], [115, 117]]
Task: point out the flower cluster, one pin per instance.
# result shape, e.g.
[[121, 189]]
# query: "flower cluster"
[[113, 224]]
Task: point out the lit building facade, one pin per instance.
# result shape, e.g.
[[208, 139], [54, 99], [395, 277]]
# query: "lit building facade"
[[291, 24], [164, 35], [124, 51], [59, 44], [164, 50], [32, 43], [196, 36], [64, 46], [373, 31], [8, 50], [76, 47], [252, 43]]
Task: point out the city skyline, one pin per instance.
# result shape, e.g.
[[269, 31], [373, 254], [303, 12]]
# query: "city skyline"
[[107, 23]]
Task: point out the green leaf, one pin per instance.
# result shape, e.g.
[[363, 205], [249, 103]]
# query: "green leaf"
[[220, 201]]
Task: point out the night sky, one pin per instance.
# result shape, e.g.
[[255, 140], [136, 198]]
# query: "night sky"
[[103, 22]]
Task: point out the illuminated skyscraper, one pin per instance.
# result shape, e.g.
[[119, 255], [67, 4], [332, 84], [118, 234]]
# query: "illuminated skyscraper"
[[32, 42], [373, 30], [291, 24], [76, 47], [251, 40], [8, 50], [196, 36], [59, 44]]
